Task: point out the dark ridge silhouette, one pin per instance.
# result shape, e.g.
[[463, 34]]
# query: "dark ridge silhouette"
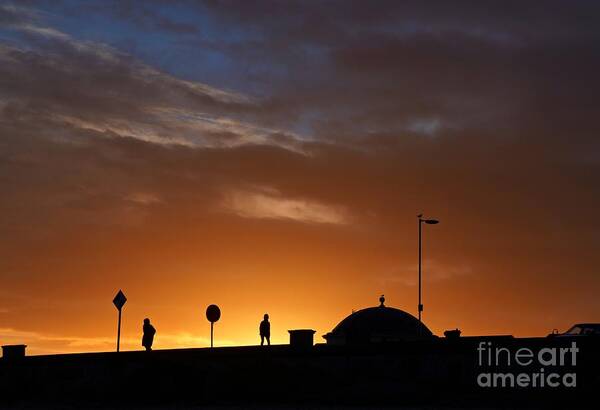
[[429, 373]]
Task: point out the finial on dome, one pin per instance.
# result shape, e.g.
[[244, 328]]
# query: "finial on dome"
[[382, 300]]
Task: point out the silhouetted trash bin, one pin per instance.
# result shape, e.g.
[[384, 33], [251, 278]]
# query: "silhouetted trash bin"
[[301, 338], [452, 334], [12, 352]]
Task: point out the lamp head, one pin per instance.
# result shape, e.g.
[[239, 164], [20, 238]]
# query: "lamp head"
[[432, 221]]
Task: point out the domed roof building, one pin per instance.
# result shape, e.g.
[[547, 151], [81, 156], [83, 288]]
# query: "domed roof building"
[[378, 324]]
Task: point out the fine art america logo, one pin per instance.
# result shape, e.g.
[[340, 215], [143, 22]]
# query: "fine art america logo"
[[524, 367]]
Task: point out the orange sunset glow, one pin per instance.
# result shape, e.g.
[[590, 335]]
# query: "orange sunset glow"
[[270, 159]]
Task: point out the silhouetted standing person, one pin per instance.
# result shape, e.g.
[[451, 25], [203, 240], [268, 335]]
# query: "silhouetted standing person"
[[149, 332], [265, 330]]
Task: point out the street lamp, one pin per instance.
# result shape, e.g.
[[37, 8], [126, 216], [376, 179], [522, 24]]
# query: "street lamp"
[[429, 222]]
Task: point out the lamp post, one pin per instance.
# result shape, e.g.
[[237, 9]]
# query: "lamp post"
[[429, 222]]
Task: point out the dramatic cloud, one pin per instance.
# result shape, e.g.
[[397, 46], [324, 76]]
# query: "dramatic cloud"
[[268, 204], [91, 86]]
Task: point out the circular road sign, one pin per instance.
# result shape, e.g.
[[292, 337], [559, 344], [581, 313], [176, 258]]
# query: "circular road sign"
[[213, 313]]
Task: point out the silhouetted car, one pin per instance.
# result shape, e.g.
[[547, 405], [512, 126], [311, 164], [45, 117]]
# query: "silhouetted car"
[[580, 330]]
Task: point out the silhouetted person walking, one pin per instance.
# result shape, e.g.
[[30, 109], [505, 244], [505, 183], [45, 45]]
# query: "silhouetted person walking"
[[265, 331], [149, 332]]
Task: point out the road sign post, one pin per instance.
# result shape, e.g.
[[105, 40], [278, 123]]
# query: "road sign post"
[[119, 301], [213, 313]]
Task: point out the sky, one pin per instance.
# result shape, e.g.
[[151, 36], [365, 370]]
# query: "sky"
[[272, 157]]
